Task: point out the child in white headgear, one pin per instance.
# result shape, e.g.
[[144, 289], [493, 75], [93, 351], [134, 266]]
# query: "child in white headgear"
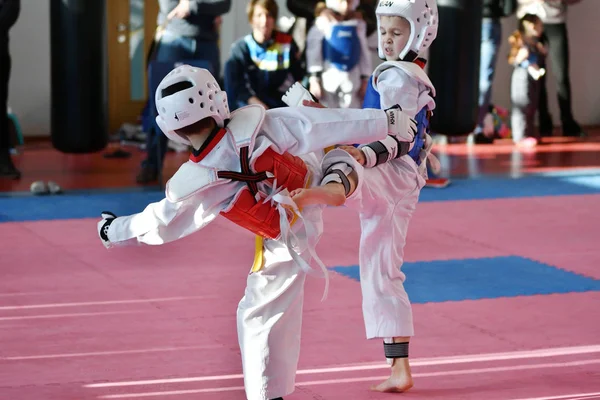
[[388, 188]]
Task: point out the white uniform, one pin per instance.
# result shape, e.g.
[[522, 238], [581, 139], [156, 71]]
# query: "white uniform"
[[340, 85], [386, 200], [270, 314]]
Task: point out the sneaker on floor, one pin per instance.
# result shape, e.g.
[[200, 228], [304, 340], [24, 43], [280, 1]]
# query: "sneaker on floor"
[[147, 175], [54, 188], [528, 143], [437, 183], [39, 188], [573, 129]]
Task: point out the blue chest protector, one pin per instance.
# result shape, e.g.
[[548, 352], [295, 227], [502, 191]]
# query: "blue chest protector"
[[342, 48], [372, 100]]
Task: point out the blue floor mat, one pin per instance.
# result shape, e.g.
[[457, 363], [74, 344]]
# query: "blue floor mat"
[[484, 278], [89, 204]]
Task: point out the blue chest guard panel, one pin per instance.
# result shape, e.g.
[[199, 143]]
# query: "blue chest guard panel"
[[371, 96], [342, 48], [422, 119]]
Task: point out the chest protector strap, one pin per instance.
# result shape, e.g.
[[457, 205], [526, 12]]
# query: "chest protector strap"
[[254, 210], [246, 175]]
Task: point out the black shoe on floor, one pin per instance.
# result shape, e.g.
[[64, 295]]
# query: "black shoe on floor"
[[546, 127], [546, 132], [8, 169], [573, 129], [147, 175], [480, 138]]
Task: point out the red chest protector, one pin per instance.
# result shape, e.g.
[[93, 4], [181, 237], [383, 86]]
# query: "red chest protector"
[[248, 210]]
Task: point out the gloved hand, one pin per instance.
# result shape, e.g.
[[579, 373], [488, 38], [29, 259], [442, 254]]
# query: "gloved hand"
[[400, 125], [107, 219]]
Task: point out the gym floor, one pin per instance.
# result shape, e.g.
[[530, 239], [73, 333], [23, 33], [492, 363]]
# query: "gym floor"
[[502, 268]]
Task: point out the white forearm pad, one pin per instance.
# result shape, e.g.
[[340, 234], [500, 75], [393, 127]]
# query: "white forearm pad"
[[339, 156], [339, 173], [294, 96], [384, 150]]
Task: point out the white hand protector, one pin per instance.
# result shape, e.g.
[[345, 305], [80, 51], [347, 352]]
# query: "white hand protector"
[[107, 219], [295, 94], [401, 126]]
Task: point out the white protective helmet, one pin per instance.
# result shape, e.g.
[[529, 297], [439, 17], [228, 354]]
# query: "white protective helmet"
[[423, 18], [187, 95], [334, 5]]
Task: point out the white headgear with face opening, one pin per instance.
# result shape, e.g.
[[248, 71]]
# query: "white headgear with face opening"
[[423, 18], [187, 95], [335, 4]]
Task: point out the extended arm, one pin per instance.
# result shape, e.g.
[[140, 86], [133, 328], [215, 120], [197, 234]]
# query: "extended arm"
[[166, 220], [302, 130]]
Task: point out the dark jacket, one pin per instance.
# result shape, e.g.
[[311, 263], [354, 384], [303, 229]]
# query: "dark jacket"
[[200, 23], [9, 13], [499, 8], [244, 78]]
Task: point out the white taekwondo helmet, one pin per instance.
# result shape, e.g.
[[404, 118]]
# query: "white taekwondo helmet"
[[423, 18], [187, 95], [333, 4]]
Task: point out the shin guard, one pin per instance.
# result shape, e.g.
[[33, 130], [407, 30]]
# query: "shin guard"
[[395, 350]]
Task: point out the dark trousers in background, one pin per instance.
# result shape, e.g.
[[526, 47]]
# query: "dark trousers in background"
[[558, 53], [491, 38], [4, 78]]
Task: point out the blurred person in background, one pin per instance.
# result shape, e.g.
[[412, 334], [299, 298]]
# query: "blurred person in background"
[[491, 38], [553, 14], [9, 13], [190, 32], [306, 11], [338, 57], [527, 54], [263, 64]]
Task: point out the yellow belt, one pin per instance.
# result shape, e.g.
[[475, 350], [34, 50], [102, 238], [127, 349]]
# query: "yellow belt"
[[259, 258]]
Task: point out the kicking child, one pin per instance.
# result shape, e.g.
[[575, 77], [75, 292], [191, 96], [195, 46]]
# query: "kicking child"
[[242, 167], [388, 188]]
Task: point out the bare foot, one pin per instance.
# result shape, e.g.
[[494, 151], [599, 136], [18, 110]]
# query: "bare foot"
[[329, 195], [400, 380]]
